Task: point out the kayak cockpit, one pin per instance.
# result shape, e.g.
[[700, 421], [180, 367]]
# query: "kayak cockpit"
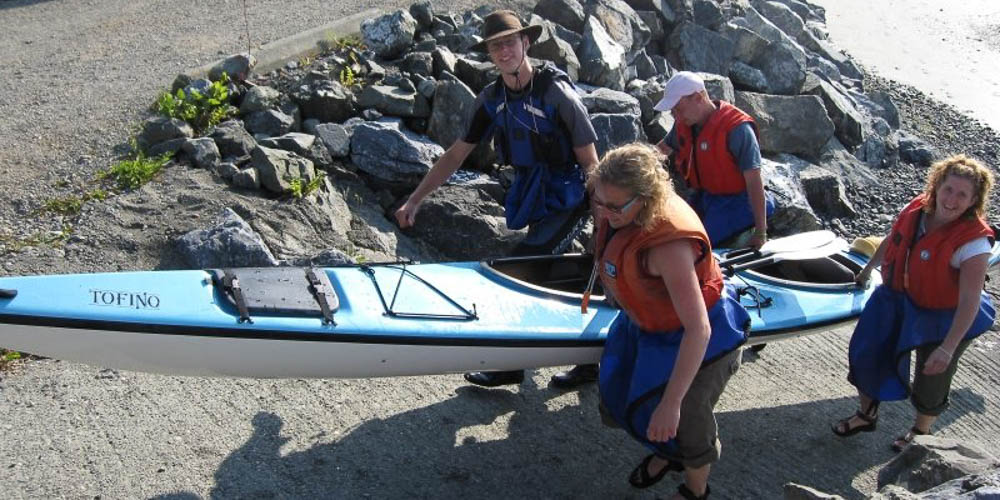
[[566, 273], [830, 272]]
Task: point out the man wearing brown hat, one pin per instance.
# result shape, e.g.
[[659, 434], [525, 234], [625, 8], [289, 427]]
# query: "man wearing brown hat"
[[539, 126]]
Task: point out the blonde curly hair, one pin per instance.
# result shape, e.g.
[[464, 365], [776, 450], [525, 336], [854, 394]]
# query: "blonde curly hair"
[[637, 168], [967, 168]]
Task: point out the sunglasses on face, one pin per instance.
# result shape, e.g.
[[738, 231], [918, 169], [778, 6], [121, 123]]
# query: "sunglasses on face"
[[503, 43], [616, 210]]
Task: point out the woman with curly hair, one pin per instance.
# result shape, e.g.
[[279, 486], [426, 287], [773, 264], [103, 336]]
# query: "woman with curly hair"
[[670, 354], [931, 299]]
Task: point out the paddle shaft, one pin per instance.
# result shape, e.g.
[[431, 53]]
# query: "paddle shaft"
[[590, 288]]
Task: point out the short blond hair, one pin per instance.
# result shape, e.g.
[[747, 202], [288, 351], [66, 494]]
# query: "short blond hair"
[[967, 168], [637, 168]]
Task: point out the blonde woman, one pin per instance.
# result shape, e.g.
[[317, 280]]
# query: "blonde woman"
[[931, 300], [669, 356]]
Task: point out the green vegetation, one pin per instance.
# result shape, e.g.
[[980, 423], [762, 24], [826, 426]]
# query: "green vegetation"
[[71, 205], [7, 358], [132, 173], [11, 244], [333, 43], [298, 189], [198, 109]]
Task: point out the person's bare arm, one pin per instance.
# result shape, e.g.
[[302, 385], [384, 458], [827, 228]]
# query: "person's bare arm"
[[755, 192], [971, 276], [449, 162], [674, 262], [586, 157]]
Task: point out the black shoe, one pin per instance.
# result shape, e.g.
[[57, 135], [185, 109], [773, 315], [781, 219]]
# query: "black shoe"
[[494, 379], [579, 375]]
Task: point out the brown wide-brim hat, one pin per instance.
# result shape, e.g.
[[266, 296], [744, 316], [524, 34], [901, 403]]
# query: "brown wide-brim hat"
[[502, 23]]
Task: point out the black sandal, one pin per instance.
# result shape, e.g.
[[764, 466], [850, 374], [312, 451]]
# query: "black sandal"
[[903, 441], [689, 495], [843, 427], [640, 477]]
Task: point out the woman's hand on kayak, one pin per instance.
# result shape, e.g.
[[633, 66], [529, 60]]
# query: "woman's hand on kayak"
[[663, 423]]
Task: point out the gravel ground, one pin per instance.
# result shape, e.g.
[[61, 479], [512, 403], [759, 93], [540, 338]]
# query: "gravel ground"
[[77, 76]]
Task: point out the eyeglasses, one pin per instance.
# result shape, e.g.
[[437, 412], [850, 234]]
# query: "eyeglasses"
[[503, 43], [611, 209]]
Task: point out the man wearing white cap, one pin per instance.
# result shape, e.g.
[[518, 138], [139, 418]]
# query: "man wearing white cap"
[[718, 156]]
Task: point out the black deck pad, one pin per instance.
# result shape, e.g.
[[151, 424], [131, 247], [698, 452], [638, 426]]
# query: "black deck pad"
[[277, 290]]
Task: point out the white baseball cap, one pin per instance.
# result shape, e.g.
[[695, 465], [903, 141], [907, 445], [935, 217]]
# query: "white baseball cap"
[[682, 84]]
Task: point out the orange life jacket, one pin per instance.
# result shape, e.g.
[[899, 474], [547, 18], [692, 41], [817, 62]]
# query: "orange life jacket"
[[922, 268], [641, 295], [706, 163]]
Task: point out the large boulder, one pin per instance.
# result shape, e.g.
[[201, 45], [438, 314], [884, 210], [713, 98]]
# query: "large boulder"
[[622, 24], [325, 100], [232, 139], [696, 48], [566, 13], [931, 460], [550, 47], [392, 154], [389, 35], [788, 124], [161, 129], [602, 59], [614, 130], [847, 120], [230, 243], [452, 109], [277, 168], [395, 101]]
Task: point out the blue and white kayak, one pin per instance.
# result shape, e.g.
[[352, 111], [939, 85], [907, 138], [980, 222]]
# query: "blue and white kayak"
[[373, 320]]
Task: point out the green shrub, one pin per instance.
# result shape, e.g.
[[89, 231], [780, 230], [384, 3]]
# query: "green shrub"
[[132, 173], [298, 189], [71, 205], [200, 110]]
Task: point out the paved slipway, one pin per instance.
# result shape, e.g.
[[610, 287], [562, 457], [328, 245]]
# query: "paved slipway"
[[75, 76]]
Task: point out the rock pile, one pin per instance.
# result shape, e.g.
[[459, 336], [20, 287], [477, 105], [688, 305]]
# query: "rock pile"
[[386, 112]]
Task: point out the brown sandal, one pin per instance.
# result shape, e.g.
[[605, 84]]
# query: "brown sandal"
[[903, 441], [843, 427]]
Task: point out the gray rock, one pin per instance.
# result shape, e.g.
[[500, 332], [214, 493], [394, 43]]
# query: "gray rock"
[[718, 87], [914, 150], [247, 178], [237, 67], [985, 486], [747, 45], [443, 61], [389, 35], [602, 60], [550, 47], [259, 98], [614, 130], [621, 23], [335, 138], [746, 77], [792, 213], [451, 110], [644, 66], [227, 170], [566, 13], [269, 123], [647, 94], [783, 17], [390, 153], [277, 168], [784, 66], [203, 152], [230, 243], [418, 63], [929, 461], [847, 120], [427, 88], [324, 100], [423, 13], [793, 491], [879, 149], [475, 74], [166, 147], [695, 48], [295, 142], [708, 14], [654, 21], [159, 129], [603, 100], [788, 124], [464, 223], [825, 193], [232, 139], [394, 101]]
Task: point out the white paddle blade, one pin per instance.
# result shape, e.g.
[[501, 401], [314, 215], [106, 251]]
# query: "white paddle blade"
[[798, 242], [836, 245]]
